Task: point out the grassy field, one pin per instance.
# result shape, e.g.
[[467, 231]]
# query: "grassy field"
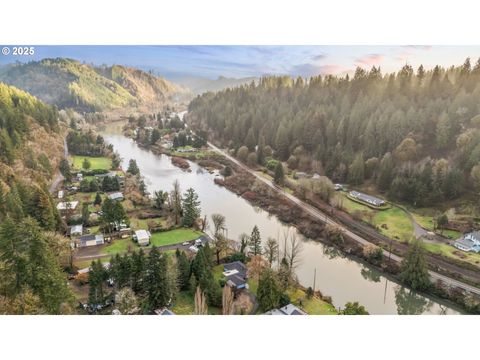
[[119, 246], [95, 162], [137, 224], [174, 236], [399, 225], [313, 306], [427, 223]]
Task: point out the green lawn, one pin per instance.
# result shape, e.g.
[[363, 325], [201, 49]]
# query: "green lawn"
[[184, 304], [397, 221], [174, 236], [350, 205], [452, 252], [399, 225], [138, 224], [313, 306], [95, 162], [119, 246]]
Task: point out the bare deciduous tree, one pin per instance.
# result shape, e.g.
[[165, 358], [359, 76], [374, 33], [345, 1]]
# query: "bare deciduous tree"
[[294, 251], [227, 301], [201, 307], [220, 242], [175, 201], [271, 250]]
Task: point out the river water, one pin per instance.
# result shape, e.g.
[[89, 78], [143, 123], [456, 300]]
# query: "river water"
[[337, 276]]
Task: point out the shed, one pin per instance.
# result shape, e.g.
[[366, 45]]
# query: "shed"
[[143, 237]]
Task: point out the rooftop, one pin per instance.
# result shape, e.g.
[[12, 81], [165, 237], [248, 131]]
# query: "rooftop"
[[289, 309], [367, 198], [142, 234], [67, 205], [115, 195]]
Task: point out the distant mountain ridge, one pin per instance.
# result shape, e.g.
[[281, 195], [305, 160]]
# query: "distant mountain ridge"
[[199, 85], [69, 83]]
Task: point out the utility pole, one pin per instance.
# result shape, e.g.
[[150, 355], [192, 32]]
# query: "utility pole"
[[314, 278]]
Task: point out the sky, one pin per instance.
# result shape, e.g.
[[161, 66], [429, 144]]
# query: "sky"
[[245, 61]]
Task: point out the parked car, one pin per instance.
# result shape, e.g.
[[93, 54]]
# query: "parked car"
[[186, 243]]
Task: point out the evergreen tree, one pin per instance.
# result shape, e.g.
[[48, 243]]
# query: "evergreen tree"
[[268, 292], [279, 177], [414, 267], [86, 164], [184, 271], [255, 241], [98, 199], [64, 168], [133, 167], [138, 267], [357, 170], [157, 288], [191, 207], [97, 275]]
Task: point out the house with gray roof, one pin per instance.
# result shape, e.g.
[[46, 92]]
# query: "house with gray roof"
[[372, 200], [90, 240], [236, 275], [469, 242]]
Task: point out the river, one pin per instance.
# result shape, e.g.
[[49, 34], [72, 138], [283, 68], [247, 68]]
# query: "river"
[[342, 278]]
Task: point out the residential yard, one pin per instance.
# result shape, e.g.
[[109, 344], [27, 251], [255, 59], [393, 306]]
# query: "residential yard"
[[138, 224], [184, 304], [119, 246], [174, 237], [452, 252], [313, 306], [427, 222], [95, 162], [397, 223]]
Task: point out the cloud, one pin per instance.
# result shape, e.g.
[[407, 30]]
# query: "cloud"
[[408, 51], [369, 59]]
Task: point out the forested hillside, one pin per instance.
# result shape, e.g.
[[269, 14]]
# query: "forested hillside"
[[32, 252], [68, 83], [415, 133]]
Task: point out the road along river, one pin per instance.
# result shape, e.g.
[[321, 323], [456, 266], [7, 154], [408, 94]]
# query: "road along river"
[[340, 277]]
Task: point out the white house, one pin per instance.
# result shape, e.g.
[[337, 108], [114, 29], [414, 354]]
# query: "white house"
[[70, 205], [469, 242], [142, 237], [116, 196]]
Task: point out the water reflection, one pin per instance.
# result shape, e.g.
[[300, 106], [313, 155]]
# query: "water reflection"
[[371, 274], [336, 275], [411, 303]]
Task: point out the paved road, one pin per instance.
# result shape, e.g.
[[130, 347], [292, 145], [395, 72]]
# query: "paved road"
[[59, 177], [326, 219]]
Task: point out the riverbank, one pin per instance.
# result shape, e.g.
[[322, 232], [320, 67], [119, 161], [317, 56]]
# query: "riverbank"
[[343, 278]]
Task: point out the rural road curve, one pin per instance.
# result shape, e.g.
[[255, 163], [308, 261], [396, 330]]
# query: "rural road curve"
[[326, 219]]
